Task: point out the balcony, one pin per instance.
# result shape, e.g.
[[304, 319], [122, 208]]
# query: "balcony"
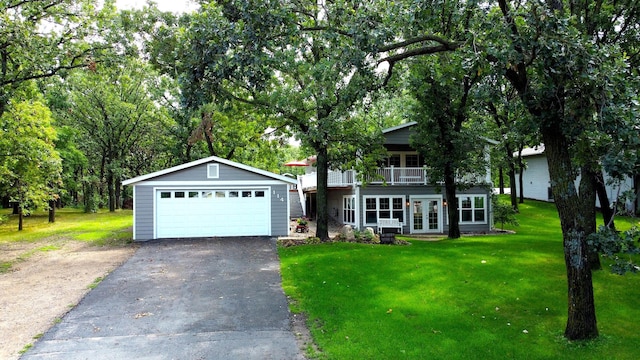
[[389, 175]]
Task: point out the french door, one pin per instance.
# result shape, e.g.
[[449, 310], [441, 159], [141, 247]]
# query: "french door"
[[426, 215]]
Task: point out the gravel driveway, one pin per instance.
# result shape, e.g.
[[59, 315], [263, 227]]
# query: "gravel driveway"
[[181, 299]]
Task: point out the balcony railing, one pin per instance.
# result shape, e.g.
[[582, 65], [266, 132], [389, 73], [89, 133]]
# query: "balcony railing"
[[390, 176]]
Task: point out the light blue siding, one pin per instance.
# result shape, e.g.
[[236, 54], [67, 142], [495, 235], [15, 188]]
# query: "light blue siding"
[[279, 205], [144, 202], [143, 209]]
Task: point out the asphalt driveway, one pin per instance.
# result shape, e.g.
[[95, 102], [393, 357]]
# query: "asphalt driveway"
[[181, 299]]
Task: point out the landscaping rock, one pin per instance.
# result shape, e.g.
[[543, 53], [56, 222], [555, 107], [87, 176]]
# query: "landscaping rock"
[[369, 230], [347, 233]]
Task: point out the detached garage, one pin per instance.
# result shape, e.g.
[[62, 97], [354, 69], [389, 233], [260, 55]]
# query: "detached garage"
[[210, 197]]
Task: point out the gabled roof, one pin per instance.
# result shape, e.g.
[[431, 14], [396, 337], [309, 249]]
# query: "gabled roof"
[[536, 150], [399, 127], [204, 161], [412, 123]]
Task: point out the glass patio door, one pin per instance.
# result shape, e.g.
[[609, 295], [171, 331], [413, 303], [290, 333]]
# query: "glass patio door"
[[426, 215]]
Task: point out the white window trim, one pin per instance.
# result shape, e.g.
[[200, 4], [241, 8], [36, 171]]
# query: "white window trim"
[[473, 208], [213, 171], [352, 200], [378, 197]]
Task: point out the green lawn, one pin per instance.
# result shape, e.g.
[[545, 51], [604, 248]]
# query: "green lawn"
[[481, 297], [100, 228]]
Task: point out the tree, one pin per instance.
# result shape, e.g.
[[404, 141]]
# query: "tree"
[[511, 124], [29, 165], [115, 112], [443, 89], [299, 61], [565, 61], [41, 39]]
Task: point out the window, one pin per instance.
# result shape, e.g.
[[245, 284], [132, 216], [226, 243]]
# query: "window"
[[213, 171], [193, 194], [393, 160], [207, 194], [221, 194], [233, 194], [165, 195], [179, 194], [246, 194], [472, 208], [383, 208], [349, 209], [412, 160], [259, 193]]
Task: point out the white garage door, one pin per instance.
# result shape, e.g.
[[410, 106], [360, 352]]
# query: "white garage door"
[[215, 212]]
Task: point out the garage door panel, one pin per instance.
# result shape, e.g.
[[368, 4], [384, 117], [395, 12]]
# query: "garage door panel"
[[212, 212]]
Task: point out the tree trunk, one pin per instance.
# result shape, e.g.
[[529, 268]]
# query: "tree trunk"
[[322, 211], [588, 199], [581, 320], [501, 180], [16, 209], [605, 206], [118, 192], [520, 178], [514, 188], [111, 191], [636, 188], [19, 219], [52, 211], [452, 209]]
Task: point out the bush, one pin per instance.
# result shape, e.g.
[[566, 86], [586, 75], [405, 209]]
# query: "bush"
[[503, 214]]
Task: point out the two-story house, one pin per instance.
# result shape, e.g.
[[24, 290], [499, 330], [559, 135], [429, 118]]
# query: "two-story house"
[[402, 190]]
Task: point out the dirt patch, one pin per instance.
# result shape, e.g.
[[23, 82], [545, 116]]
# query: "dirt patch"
[[46, 280]]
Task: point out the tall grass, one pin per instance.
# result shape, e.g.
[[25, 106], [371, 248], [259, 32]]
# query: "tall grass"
[[479, 297]]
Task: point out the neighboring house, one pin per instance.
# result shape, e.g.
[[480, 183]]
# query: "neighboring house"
[[210, 197], [407, 193], [536, 183]]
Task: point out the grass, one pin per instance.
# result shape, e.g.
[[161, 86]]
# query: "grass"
[[487, 297], [99, 229], [95, 283]]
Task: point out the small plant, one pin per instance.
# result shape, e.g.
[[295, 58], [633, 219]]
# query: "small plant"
[[504, 214], [313, 240], [303, 221], [25, 349], [95, 283]]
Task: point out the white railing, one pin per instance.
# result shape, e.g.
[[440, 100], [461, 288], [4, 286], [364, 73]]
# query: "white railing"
[[400, 176], [390, 176]]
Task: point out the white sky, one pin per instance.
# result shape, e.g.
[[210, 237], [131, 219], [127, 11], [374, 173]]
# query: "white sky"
[[164, 5]]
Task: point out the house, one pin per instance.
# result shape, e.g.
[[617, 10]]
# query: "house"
[[210, 197], [536, 183], [403, 190]]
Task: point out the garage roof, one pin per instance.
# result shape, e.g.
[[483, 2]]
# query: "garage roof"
[[141, 178]]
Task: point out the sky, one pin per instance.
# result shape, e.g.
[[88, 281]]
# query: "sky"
[[164, 5]]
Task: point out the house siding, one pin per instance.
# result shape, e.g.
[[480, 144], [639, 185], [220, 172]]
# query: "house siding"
[[279, 210], [334, 203], [398, 137], [407, 191], [536, 182], [144, 202], [199, 173], [535, 178], [144, 212]]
